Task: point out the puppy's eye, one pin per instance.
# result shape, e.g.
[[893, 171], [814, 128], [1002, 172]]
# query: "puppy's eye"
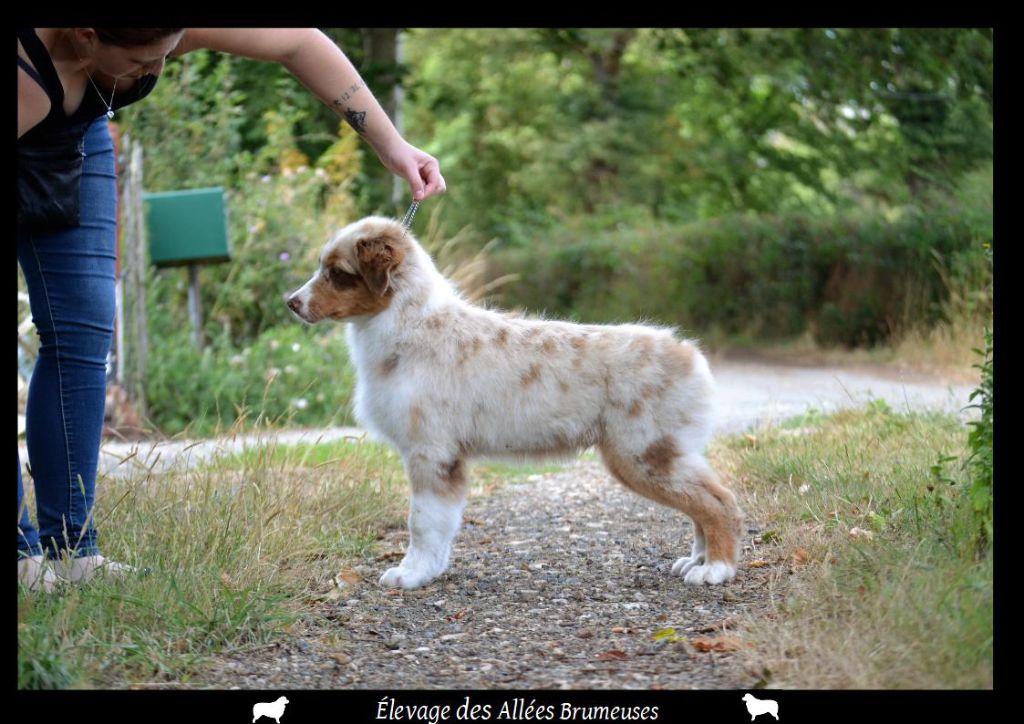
[[342, 279]]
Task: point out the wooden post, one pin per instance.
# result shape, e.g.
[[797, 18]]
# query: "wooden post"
[[195, 305], [136, 343], [382, 48]]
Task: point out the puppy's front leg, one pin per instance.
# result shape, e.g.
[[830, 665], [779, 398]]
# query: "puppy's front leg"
[[435, 514]]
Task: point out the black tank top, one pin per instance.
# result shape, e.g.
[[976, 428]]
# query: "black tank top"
[[91, 107], [50, 153]]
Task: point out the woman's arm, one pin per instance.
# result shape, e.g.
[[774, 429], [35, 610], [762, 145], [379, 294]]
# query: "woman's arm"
[[325, 70], [33, 103]]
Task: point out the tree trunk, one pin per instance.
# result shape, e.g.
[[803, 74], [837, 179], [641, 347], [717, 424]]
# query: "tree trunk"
[[382, 48]]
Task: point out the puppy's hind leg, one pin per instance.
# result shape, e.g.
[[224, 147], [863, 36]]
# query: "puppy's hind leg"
[[435, 514], [687, 483], [696, 558]]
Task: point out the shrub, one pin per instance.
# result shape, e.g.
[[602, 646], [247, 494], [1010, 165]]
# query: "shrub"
[[280, 215], [853, 280], [980, 441], [296, 375]]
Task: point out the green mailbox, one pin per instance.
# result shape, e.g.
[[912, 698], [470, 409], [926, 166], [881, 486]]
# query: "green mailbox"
[[187, 227]]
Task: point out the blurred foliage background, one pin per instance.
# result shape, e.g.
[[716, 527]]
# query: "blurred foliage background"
[[749, 185]]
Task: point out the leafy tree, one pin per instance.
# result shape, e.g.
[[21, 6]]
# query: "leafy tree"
[[534, 126]]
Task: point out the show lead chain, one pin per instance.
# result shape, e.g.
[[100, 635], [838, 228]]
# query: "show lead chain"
[[407, 221]]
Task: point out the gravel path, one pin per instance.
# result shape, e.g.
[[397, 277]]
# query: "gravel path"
[[561, 580]]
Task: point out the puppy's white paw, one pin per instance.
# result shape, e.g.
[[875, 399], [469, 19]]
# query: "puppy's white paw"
[[716, 572], [683, 566], [407, 578]]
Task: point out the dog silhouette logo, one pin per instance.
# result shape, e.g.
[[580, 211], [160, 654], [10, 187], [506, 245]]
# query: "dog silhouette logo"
[[272, 710], [757, 707]]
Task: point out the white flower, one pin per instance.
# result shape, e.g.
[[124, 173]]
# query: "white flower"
[[290, 369], [296, 347], [301, 403], [274, 344], [272, 374], [237, 360]]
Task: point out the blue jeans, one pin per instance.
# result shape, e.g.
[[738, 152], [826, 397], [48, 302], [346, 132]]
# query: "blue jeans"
[[70, 276]]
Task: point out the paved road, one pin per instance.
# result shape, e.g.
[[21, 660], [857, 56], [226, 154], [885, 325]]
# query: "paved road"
[[750, 393]]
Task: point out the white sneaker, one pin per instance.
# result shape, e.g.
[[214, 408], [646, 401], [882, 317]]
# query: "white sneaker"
[[85, 569], [35, 574]]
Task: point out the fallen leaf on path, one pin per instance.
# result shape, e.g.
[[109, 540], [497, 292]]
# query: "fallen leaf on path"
[[718, 643], [347, 577], [613, 655], [668, 635], [758, 563]]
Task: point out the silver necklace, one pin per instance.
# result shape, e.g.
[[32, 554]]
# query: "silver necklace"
[[110, 106], [110, 109]]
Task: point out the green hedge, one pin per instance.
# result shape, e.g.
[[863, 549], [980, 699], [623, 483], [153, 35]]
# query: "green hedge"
[[852, 280]]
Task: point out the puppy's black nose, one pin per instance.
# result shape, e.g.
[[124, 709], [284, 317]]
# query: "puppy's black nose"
[[294, 303]]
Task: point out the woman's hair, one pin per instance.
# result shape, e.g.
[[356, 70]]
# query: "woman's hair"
[[130, 37]]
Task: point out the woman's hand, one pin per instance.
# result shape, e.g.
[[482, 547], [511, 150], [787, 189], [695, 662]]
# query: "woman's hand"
[[419, 168]]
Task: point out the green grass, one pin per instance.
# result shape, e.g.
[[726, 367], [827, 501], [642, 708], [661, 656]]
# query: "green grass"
[[239, 547], [882, 584], [237, 551]]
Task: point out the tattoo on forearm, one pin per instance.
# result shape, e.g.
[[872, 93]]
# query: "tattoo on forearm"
[[356, 119], [349, 92]]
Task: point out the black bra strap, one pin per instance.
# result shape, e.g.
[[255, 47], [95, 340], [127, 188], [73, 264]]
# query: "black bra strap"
[[32, 73], [45, 71]]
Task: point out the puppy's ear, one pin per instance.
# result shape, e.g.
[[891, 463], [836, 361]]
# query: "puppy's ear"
[[377, 259]]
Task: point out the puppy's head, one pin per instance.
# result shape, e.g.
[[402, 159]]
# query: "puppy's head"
[[357, 272]]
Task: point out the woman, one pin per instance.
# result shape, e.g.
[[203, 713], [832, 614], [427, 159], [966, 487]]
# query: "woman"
[[70, 82]]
